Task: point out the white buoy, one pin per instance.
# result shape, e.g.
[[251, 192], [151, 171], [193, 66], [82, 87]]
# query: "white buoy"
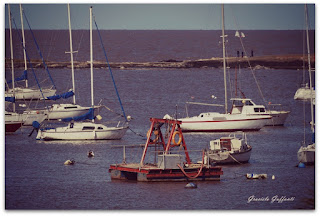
[[273, 177], [191, 185]]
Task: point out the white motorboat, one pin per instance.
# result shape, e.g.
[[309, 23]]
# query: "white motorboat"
[[213, 121], [247, 106], [229, 150], [84, 130], [217, 122]]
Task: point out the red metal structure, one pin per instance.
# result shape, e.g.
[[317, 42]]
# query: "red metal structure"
[[170, 167]]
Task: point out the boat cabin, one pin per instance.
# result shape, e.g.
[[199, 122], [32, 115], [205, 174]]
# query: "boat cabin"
[[246, 106], [86, 126], [231, 144]]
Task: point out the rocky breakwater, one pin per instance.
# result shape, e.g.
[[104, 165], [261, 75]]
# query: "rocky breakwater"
[[274, 61]]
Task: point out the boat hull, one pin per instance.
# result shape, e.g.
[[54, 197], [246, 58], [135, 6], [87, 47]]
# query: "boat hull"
[[30, 94], [30, 116], [306, 155], [230, 158], [278, 118], [304, 93], [60, 112], [12, 127], [228, 124], [112, 133], [154, 174], [27, 117]]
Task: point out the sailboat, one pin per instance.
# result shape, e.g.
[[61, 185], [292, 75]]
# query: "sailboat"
[[27, 93], [305, 92], [306, 153], [61, 111], [218, 122], [84, 130], [14, 120]]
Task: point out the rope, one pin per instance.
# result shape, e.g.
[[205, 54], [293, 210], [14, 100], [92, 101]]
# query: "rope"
[[245, 52], [234, 158], [199, 172], [34, 39], [136, 133], [114, 84]]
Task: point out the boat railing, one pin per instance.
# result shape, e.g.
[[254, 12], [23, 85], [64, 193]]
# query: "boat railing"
[[278, 107], [130, 154]]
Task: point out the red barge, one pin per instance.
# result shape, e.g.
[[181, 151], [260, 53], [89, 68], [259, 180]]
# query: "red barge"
[[169, 166]]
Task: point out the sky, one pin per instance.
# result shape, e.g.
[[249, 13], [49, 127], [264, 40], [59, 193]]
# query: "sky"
[[186, 15]]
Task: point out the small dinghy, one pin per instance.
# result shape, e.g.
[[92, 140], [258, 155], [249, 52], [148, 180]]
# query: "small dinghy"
[[256, 176], [69, 162], [90, 154]]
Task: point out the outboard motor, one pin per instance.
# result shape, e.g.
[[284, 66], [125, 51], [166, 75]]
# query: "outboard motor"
[[36, 126]]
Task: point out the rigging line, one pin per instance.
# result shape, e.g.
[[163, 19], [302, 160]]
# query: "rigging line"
[[245, 52], [229, 75], [53, 38], [79, 43], [34, 39], [34, 74], [114, 84]]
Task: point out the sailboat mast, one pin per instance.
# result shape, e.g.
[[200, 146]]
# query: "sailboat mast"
[[224, 62], [71, 56], [309, 66], [23, 44], [11, 50], [91, 60]]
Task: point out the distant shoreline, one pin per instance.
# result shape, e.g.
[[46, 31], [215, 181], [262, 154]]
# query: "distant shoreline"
[[272, 62]]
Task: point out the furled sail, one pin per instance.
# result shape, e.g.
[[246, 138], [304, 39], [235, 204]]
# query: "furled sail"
[[10, 99], [64, 95], [88, 115], [24, 76]]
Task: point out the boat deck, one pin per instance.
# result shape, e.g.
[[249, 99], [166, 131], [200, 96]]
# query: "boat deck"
[[151, 172]]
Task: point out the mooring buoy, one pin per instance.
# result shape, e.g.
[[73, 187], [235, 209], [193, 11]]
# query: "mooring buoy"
[[191, 185]]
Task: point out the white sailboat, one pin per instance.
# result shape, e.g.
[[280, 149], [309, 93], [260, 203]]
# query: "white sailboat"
[[84, 130], [11, 125], [306, 91], [27, 93], [217, 122], [229, 150], [61, 111], [306, 153], [14, 120]]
